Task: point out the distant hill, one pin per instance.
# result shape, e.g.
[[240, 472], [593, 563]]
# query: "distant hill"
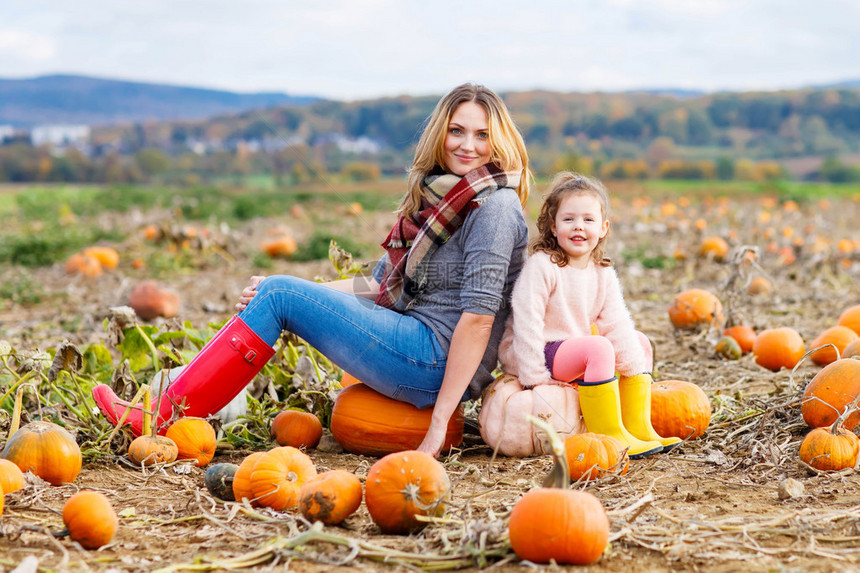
[[95, 101]]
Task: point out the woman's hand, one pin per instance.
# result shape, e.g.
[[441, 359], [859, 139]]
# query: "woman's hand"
[[248, 293], [434, 439]]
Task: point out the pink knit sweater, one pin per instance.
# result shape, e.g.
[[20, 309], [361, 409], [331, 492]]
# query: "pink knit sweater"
[[552, 303]]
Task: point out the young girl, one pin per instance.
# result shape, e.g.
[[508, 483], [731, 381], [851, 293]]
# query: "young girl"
[[566, 286], [425, 328]]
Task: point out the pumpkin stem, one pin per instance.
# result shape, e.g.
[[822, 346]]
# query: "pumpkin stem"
[[16, 412], [147, 407], [559, 475]]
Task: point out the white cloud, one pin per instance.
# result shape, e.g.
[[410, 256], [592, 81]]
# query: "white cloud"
[[24, 45]]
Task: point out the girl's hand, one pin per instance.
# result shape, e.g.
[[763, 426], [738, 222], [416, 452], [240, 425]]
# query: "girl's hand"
[[248, 293]]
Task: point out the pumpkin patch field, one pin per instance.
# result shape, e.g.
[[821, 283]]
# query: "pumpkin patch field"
[[749, 294]]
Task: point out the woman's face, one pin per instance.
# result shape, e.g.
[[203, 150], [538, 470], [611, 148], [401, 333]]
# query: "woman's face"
[[467, 143]]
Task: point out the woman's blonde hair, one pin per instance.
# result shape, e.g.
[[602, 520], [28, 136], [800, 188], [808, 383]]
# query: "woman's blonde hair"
[[506, 142], [564, 185]]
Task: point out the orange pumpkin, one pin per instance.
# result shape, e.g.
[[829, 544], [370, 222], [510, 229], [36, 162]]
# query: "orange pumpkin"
[[838, 336], [242, 478], [592, 456], [195, 440], [47, 450], [150, 301], [280, 247], [694, 308], [853, 349], [106, 256], [279, 475], [728, 348], [297, 428], [11, 477], [403, 485], [564, 525], [850, 317], [777, 348], [84, 265], [830, 449], [760, 285], [829, 392], [715, 247], [90, 519], [679, 409], [743, 335], [365, 422], [330, 497], [348, 380], [148, 450]]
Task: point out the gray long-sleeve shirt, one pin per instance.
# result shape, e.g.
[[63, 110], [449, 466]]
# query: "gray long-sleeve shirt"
[[474, 272]]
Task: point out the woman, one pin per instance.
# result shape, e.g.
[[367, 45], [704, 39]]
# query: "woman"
[[425, 327]]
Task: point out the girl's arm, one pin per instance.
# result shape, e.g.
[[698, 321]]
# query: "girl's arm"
[[468, 344]]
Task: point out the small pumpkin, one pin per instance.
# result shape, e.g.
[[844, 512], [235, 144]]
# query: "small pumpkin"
[[679, 409], [714, 247], [777, 348], [743, 335], [830, 449], [853, 349], [694, 308], [297, 428], [591, 456], [218, 480], [760, 285], [728, 348], [403, 485], [850, 317], [11, 477], [365, 422], [107, 257], [839, 336], [506, 405], [47, 450], [242, 478], [330, 497], [151, 301], [90, 519], [279, 475], [150, 448], [195, 439], [83, 265], [830, 392], [285, 246]]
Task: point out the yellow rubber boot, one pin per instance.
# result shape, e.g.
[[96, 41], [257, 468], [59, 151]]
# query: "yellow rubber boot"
[[601, 409], [636, 409]]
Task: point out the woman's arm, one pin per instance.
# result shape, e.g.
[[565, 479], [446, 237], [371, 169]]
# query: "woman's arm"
[[364, 286], [468, 344]]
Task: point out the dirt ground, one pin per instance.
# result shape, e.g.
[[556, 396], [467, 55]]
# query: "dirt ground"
[[712, 504]]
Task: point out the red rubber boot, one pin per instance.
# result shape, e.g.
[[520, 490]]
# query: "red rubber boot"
[[220, 370]]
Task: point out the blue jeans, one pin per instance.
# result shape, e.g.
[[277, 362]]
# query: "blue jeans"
[[396, 355]]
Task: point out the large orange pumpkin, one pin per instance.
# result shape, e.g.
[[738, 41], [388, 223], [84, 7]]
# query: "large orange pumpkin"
[[90, 519], [564, 525], [829, 392], [777, 348], [279, 475], [242, 478], [592, 456], [694, 308], [838, 336], [850, 317], [830, 449], [330, 497], [402, 485], [365, 422], [297, 428], [679, 409], [47, 450], [194, 438]]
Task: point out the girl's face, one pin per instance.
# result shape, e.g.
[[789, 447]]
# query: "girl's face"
[[578, 227], [467, 143]]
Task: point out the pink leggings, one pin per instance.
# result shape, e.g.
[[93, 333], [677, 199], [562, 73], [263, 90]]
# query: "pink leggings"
[[590, 358]]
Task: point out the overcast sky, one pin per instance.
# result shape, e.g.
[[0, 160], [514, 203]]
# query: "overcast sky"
[[352, 49]]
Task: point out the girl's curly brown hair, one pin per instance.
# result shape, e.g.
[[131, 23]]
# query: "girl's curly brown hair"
[[565, 184]]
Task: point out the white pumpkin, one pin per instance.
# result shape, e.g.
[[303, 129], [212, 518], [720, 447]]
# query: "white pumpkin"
[[505, 405], [238, 406]]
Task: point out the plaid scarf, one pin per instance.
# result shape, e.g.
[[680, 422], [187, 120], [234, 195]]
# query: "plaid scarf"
[[446, 200]]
